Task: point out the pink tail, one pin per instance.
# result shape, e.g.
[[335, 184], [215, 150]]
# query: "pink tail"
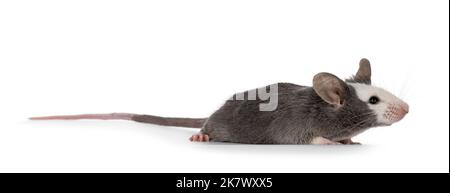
[[111, 116], [165, 121]]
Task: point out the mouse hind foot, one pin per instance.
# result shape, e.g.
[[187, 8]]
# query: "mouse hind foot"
[[323, 141], [199, 138]]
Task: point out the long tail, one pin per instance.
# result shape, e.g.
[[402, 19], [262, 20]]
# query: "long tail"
[[165, 121]]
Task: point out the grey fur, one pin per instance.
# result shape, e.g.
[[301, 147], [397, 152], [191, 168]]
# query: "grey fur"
[[301, 115], [331, 109]]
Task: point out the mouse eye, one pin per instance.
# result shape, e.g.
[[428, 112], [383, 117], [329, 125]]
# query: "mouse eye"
[[374, 100]]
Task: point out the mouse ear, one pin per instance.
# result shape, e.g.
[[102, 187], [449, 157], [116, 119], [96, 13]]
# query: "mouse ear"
[[364, 72], [330, 88]]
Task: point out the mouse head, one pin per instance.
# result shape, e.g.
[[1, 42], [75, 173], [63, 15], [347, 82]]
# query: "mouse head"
[[358, 93]]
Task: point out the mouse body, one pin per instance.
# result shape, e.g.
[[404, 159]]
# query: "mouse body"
[[300, 116], [331, 111]]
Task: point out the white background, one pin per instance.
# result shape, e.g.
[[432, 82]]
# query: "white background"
[[185, 58]]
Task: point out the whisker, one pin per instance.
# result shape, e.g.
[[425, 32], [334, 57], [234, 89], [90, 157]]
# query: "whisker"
[[405, 86]]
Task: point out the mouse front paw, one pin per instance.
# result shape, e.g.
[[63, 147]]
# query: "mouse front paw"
[[349, 142]]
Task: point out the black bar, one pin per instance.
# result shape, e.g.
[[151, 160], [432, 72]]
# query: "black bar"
[[223, 182]]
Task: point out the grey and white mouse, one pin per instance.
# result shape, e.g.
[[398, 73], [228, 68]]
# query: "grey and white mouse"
[[332, 111]]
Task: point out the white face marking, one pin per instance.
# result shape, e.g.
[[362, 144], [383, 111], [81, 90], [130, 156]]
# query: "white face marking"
[[389, 109]]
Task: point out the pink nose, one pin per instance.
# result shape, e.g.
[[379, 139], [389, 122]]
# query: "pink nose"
[[403, 110]]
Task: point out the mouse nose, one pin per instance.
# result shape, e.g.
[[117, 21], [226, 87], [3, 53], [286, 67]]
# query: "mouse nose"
[[402, 111], [396, 111], [405, 108]]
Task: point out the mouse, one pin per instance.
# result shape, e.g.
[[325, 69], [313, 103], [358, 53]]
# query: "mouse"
[[330, 112]]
